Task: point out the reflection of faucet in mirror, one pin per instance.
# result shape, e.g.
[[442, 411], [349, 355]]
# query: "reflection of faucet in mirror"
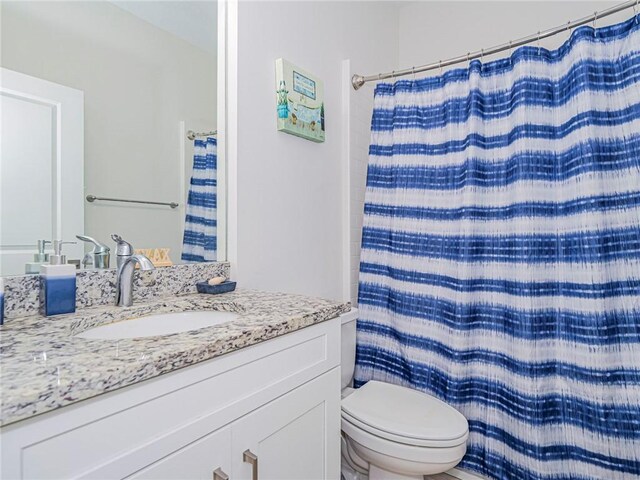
[[126, 261], [98, 257]]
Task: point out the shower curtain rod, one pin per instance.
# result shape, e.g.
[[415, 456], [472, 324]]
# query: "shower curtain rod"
[[359, 80]]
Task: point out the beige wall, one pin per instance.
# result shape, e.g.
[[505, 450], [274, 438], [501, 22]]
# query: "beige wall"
[[139, 82]]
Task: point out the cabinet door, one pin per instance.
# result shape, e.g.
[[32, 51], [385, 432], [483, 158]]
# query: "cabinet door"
[[294, 437], [196, 461]]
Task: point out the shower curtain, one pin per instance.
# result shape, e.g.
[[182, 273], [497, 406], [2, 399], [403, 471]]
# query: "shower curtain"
[[200, 242], [500, 265]]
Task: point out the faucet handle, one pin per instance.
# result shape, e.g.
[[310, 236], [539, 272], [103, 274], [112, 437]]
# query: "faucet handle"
[[99, 247], [123, 247]]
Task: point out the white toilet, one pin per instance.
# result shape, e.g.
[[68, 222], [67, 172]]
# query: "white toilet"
[[392, 432]]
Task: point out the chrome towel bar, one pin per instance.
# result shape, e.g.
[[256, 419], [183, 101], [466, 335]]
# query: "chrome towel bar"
[[93, 198], [191, 135]]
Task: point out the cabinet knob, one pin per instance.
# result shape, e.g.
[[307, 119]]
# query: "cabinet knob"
[[251, 458], [218, 474]]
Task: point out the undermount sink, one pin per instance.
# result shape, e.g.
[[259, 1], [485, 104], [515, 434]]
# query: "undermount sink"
[[162, 324]]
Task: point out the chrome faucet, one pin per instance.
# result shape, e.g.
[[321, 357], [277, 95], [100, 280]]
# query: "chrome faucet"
[[126, 263], [98, 257]]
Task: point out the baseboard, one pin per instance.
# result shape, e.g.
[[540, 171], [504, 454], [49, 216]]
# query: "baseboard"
[[464, 475]]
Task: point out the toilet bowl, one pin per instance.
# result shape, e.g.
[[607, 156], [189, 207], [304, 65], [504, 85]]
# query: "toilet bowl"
[[392, 432]]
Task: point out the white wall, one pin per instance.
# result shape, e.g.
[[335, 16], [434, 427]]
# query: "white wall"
[[139, 83], [361, 109], [430, 31], [193, 21], [289, 190]]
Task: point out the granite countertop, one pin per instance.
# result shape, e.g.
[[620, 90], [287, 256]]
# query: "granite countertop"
[[44, 367]]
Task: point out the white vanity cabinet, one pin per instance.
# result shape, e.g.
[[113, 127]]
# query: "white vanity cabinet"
[[288, 436], [267, 412], [196, 461]]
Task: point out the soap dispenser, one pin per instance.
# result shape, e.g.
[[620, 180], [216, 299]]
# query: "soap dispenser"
[[1, 302], [38, 258], [57, 283]]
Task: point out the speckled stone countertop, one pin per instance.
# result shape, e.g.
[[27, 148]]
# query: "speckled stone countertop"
[[44, 367]]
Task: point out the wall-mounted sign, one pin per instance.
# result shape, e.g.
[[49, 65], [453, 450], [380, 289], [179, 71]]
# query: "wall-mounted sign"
[[304, 85], [299, 102]]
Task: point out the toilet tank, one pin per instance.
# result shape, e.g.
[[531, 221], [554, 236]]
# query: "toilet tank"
[[348, 339]]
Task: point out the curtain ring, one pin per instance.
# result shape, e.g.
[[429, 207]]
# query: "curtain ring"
[[440, 65], [538, 42], [482, 55], [468, 61], [413, 70], [568, 25]]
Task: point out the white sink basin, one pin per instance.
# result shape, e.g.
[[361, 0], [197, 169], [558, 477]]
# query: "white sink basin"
[[163, 324]]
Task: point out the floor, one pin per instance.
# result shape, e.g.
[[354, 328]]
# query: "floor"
[[440, 476]]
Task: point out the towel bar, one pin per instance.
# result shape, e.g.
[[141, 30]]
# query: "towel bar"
[[93, 198]]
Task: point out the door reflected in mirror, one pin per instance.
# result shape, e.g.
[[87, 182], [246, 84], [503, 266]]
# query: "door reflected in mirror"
[[109, 115]]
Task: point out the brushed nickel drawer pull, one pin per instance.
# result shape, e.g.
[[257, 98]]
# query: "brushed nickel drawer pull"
[[251, 458], [218, 474]]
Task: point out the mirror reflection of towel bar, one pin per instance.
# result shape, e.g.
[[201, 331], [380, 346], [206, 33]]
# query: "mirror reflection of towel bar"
[[93, 198], [191, 135]]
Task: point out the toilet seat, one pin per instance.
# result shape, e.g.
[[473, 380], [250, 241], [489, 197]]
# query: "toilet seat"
[[420, 419], [346, 418], [371, 446]]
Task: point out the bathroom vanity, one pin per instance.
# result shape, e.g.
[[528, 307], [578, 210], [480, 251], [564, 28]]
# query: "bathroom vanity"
[[260, 397]]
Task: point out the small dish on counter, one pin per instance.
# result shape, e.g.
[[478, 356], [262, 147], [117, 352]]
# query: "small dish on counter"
[[224, 287]]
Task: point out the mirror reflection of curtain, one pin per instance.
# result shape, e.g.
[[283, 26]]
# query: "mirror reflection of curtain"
[[199, 241]]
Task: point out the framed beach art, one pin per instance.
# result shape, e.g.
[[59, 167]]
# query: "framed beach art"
[[299, 102]]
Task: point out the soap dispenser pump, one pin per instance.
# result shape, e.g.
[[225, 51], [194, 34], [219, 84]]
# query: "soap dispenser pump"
[[38, 258], [57, 283]]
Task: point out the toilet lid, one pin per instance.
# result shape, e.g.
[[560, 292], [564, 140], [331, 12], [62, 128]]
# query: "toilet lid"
[[403, 412]]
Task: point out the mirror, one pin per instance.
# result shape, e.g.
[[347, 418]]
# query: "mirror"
[[99, 103]]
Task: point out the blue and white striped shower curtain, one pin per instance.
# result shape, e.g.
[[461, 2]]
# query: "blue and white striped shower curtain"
[[200, 229], [500, 266]]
